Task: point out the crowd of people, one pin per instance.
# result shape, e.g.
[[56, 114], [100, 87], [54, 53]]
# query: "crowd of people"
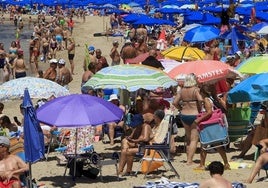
[[149, 108]]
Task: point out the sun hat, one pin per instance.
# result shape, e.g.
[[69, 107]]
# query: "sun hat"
[[113, 97], [62, 62], [136, 120], [4, 141], [91, 48], [53, 61]]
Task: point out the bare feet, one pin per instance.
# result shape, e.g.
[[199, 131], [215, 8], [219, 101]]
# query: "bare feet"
[[227, 167]]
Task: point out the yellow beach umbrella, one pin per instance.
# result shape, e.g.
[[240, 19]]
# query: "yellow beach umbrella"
[[180, 53], [125, 7]]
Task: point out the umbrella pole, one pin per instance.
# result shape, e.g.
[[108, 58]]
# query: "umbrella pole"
[[30, 182], [75, 153]]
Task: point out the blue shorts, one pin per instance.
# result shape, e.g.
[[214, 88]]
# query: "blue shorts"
[[188, 119]]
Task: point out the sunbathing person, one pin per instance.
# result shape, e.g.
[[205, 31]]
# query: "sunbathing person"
[[142, 132], [261, 161], [216, 170], [11, 166]]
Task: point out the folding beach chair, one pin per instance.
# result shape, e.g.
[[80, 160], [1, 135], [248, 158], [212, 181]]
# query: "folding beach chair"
[[162, 149], [214, 135]]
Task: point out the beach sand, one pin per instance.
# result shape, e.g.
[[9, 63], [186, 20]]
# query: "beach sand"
[[49, 173]]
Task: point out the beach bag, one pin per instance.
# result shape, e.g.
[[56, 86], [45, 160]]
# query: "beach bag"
[[149, 165], [216, 117]]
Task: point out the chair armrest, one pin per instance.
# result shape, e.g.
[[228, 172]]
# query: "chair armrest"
[[157, 147]]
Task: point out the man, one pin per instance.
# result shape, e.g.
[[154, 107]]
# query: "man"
[[64, 75], [114, 54], [51, 72], [101, 61], [152, 61], [11, 166], [128, 51], [88, 74], [89, 58], [216, 170]]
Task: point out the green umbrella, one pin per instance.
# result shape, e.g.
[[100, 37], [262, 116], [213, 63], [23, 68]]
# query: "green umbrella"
[[130, 77], [254, 65]]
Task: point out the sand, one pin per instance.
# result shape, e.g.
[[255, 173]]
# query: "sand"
[[49, 173]]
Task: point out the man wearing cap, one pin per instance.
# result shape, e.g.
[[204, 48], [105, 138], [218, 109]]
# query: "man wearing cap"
[[90, 57], [11, 166], [64, 75], [51, 72], [114, 54]]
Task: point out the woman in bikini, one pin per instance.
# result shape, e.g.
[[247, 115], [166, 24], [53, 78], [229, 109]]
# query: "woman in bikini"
[[19, 66], [189, 101]]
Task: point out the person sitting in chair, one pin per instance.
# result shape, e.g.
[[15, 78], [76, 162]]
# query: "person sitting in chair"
[[142, 133], [114, 99], [11, 166], [261, 161]]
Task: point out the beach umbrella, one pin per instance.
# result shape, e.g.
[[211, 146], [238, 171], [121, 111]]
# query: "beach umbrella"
[[140, 58], [254, 65], [234, 34], [252, 89], [205, 70], [34, 146], [190, 26], [180, 53], [78, 111], [37, 87], [201, 34], [259, 26], [130, 77], [263, 31], [169, 64]]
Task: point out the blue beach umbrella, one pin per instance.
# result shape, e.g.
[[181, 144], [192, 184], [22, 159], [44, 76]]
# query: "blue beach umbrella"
[[259, 26], [249, 90], [34, 146], [201, 34]]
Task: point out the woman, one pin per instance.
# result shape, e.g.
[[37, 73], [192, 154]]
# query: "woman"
[[189, 101], [210, 100], [53, 47], [142, 133], [71, 53], [19, 67]]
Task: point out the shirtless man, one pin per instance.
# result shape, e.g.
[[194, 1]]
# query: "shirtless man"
[[45, 47], [51, 72], [11, 166], [114, 54], [58, 32], [141, 31], [89, 58], [88, 74], [19, 66], [141, 46], [128, 51], [216, 170], [64, 75]]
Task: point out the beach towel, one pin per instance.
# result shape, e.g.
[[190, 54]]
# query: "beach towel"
[[234, 165]]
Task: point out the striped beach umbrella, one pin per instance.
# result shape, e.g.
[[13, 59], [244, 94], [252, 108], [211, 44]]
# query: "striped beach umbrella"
[[130, 77]]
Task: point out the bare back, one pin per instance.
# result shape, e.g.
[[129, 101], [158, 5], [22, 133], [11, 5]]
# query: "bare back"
[[216, 181]]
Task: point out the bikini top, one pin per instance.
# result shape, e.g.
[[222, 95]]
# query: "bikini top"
[[193, 98], [13, 51]]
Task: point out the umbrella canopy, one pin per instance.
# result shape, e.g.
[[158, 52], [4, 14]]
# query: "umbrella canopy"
[[78, 110], [205, 70], [37, 87], [254, 65], [183, 52], [130, 77], [259, 26], [201, 34], [33, 135], [234, 34], [263, 30], [247, 90]]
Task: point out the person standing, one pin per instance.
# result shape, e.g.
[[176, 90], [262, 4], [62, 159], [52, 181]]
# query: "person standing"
[[71, 25], [64, 75], [114, 54], [101, 61], [19, 66], [51, 72], [189, 102], [89, 58], [71, 53]]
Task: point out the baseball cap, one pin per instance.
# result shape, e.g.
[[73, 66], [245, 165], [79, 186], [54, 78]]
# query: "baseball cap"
[[62, 62], [113, 97], [91, 49], [53, 61], [4, 141]]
